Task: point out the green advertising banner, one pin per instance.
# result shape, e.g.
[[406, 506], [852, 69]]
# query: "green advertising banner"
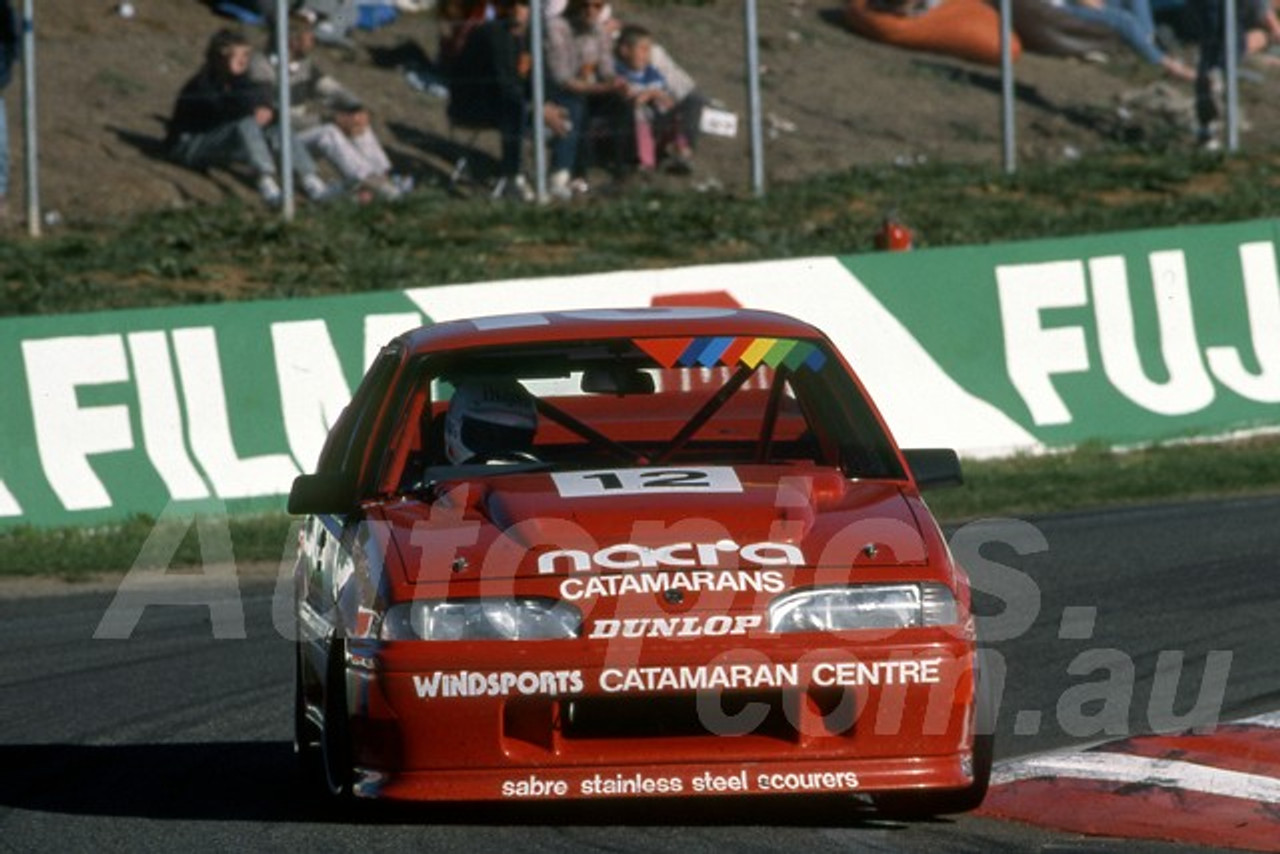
[[113, 414], [1123, 338]]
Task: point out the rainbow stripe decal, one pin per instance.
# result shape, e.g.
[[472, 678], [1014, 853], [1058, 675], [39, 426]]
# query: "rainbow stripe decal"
[[730, 351]]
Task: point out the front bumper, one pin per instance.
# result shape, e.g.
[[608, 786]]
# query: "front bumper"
[[536, 721]]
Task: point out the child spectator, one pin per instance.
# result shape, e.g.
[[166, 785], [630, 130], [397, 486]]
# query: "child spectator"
[[328, 120], [221, 116], [656, 124], [681, 86]]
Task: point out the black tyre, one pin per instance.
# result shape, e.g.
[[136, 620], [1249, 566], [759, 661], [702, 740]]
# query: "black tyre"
[[925, 804], [306, 735], [335, 736]]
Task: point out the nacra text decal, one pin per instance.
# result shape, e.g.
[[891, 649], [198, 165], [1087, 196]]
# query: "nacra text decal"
[[725, 553]]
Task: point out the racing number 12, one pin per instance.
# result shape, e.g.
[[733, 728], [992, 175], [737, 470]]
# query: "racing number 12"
[[673, 479], [640, 481]]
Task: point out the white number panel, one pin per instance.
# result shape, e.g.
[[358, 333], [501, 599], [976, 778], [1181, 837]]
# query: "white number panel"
[[651, 481]]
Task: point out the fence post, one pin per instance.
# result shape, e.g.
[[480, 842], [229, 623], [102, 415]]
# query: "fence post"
[[285, 118], [1007, 126], [537, 48], [31, 152], [1230, 71], [755, 118]]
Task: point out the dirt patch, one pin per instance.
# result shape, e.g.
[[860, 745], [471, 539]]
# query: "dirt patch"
[[832, 99]]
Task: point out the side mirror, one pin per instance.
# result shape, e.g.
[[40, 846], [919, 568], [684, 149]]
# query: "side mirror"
[[934, 466], [323, 494]]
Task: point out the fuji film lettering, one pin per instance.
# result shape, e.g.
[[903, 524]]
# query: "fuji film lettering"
[[690, 555], [675, 627]]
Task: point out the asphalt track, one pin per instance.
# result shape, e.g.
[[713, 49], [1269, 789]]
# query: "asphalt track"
[[174, 741]]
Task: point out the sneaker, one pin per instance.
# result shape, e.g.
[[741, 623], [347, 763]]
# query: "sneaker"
[[679, 161], [1209, 137], [379, 187], [316, 189], [403, 183], [516, 188], [560, 186], [269, 189]]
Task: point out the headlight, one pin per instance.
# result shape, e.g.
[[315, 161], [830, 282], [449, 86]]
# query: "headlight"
[[868, 606], [482, 619]]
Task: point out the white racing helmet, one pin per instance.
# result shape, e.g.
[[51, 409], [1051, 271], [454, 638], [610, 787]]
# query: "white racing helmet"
[[489, 416]]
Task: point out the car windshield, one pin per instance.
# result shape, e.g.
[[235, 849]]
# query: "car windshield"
[[640, 402]]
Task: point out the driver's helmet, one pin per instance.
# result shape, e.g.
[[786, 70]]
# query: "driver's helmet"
[[489, 417]]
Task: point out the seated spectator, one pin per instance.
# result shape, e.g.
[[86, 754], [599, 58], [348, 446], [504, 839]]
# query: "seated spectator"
[[488, 85], [683, 88], [1132, 21], [657, 126], [583, 81], [328, 120], [221, 119]]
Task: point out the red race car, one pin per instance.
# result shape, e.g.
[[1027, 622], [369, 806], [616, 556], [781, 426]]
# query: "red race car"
[[649, 552]]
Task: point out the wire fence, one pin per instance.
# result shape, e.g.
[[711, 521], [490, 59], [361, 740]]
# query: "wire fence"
[[754, 99]]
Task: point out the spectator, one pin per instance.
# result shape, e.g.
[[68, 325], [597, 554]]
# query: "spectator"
[[8, 53], [488, 85], [221, 115], [1133, 22], [657, 127], [583, 81], [328, 120], [689, 101], [457, 20], [1255, 23]]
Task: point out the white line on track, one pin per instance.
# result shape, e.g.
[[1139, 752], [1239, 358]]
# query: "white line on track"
[[1271, 720], [1122, 768]]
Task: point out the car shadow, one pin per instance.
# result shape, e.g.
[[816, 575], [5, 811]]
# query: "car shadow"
[[259, 781], [153, 148]]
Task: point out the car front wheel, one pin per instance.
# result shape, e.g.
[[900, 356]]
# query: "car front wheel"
[[335, 736]]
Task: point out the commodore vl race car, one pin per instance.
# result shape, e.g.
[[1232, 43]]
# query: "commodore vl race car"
[[630, 553]]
